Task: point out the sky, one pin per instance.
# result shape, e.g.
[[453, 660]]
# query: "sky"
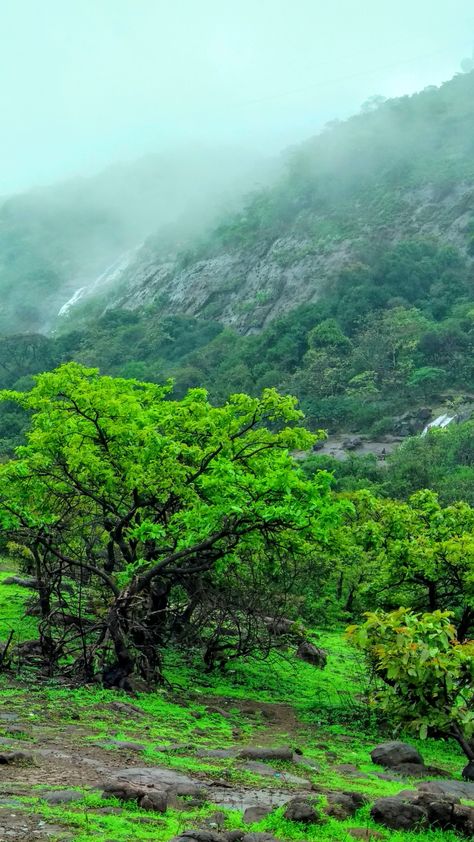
[[87, 83]]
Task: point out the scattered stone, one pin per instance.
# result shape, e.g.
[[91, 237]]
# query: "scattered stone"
[[220, 711], [154, 801], [172, 747], [306, 762], [11, 757], [312, 654], [282, 753], [258, 837], [201, 835], [234, 835], [425, 808], [147, 798], [256, 814], [343, 805], [125, 708], [302, 810], [258, 768], [394, 753], [217, 819], [125, 745]]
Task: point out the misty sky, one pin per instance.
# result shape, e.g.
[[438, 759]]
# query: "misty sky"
[[84, 83]]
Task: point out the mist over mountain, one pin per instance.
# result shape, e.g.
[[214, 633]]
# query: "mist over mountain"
[[58, 241]]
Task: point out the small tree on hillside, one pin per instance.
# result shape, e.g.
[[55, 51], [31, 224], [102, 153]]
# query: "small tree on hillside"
[[428, 675]]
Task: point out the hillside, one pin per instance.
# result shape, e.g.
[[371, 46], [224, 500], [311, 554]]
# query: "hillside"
[[404, 170]]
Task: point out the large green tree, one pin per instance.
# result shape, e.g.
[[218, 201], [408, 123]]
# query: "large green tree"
[[134, 509]]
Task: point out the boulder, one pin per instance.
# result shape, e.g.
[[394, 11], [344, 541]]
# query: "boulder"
[[302, 810], [468, 771], [256, 813], [352, 443], [398, 814], [154, 800], [416, 770], [343, 805], [20, 581], [394, 753], [312, 654]]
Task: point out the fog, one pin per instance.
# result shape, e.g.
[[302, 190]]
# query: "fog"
[[88, 83]]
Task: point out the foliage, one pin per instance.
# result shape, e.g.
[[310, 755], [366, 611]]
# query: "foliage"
[[429, 675], [147, 518]]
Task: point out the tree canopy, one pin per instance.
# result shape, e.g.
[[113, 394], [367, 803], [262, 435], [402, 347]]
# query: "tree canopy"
[[134, 510]]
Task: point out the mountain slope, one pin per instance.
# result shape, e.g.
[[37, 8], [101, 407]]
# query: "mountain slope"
[[58, 243], [404, 171]]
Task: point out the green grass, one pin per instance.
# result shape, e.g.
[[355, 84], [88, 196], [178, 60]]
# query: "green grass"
[[329, 727], [12, 612]]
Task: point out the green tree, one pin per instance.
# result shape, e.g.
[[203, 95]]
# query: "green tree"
[[422, 552], [134, 508], [428, 675]]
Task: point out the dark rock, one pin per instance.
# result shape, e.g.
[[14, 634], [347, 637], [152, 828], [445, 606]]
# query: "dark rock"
[[256, 813], [129, 710], [217, 819], [259, 768], [201, 835], [282, 753], [173, 747], [312, 654], [123, 744], [468, 771], [352, 443], [398, 814], [155, 801], [280, 626], [8, 758], [306, 762], [302, 810], [463, 820], [258, 837], [394, 753], [123, 791], [234, 835], [20, 581], [343, 805]]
